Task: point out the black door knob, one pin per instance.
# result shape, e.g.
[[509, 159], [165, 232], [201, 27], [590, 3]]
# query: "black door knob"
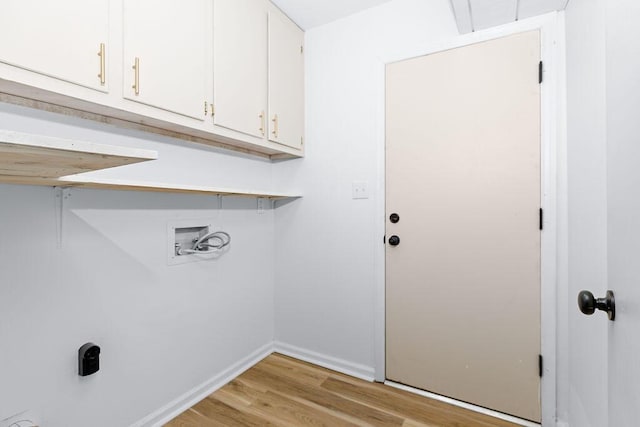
[[394, 218], [588, 304], [394, 240]]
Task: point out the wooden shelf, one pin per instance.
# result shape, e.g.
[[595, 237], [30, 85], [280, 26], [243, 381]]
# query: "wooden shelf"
[[111, 184], [157, 187], [25, 156], [42, 160]]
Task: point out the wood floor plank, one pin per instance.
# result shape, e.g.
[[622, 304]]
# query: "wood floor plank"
[[413, 423], [190, 418], [281, 391], [226, 415], [418, 400], [293, 369], [240, 392], [449, 412], [421, 410], [278, 409], [324, 398], [322, 411], [296, 413]]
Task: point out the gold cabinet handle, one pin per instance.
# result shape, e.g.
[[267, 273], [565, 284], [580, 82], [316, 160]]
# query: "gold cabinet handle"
[[102, 76], [275, 126], [261, 122], [206, 107], [136, 78]]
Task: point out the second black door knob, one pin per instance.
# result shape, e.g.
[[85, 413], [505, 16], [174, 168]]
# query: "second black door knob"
[[588, 304], [394, 240]]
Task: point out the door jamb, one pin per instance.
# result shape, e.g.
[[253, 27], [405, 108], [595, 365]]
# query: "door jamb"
[[553, 187]]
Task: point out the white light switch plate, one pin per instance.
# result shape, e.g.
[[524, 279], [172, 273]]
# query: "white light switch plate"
[[360, 190]]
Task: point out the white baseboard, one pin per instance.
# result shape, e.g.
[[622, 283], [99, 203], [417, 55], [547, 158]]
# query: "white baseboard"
[[344, 366], [190, 398]]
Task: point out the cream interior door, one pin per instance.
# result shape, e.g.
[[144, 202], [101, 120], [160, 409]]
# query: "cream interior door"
[[463, 258], [164, 55], [58, 39]]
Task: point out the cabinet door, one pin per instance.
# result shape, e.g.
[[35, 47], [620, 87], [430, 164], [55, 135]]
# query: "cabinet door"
[[164, 54], [240, 65], [286, 81], [61, 39]]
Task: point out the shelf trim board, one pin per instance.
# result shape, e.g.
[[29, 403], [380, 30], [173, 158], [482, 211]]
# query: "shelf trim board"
[[111, 184], [166, 187]]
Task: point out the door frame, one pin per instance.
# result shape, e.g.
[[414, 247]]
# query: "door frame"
[[553, 286]]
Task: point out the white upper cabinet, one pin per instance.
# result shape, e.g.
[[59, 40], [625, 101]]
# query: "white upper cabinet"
[[228, 73], [286, 81], [165, 55], [240, 65], [67, 40]]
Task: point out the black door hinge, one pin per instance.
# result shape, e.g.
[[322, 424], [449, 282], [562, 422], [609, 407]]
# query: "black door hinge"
[[541, 219], [540, 69], [384, 239], [540, 365]]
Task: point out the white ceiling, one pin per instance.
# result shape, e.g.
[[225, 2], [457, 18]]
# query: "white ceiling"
[[473, 15], [311, 13]]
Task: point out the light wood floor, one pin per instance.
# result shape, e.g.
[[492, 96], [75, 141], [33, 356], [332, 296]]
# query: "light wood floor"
[[280, 391]]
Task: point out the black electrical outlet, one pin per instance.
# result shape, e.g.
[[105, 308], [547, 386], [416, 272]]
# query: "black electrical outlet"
[[88, 359]]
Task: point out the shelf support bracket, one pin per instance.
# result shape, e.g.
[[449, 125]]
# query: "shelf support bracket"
[[61, 194]]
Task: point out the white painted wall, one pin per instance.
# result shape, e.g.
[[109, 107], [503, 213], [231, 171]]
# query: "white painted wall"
[[623, 176], [163, 330], [623, 157], [586, 386]]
